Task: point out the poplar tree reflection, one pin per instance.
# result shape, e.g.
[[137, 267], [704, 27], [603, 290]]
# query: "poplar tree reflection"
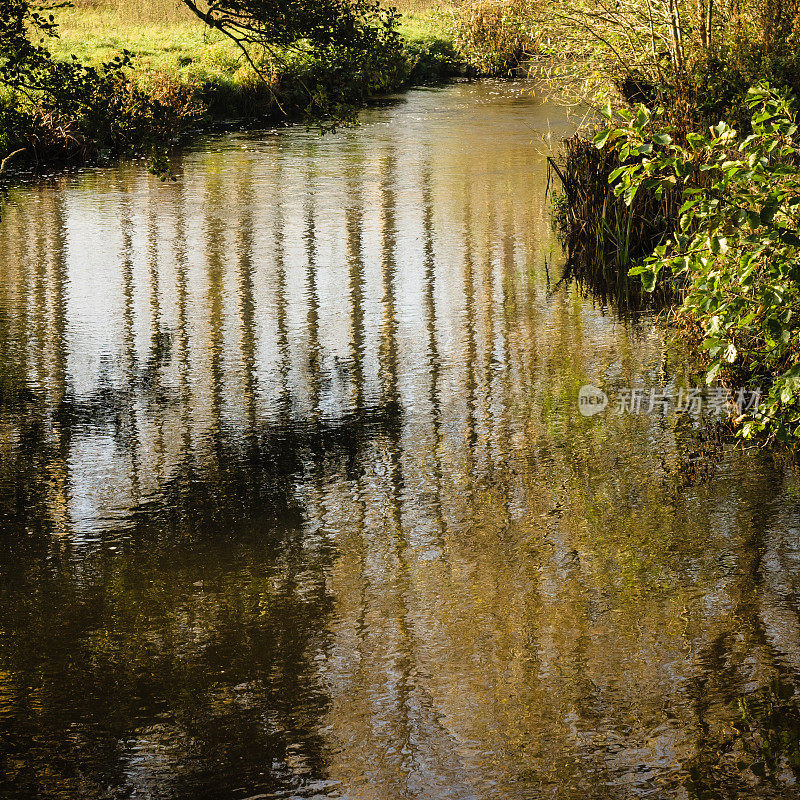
[[296, 500]]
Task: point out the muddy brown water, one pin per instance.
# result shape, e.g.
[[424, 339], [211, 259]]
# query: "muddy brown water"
[[296, 499]]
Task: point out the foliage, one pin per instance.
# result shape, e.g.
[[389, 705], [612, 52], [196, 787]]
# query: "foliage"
[[696, 58], [431, 52], [352, 46], [600, 232], [493, 35], [736, 244], [56, 109], [24, 61]]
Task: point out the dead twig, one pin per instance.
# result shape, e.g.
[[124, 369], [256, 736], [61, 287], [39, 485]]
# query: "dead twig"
[[7, 160]]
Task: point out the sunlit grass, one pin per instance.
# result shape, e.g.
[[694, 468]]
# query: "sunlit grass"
[[160, 12], [182, 45], [163, 35]]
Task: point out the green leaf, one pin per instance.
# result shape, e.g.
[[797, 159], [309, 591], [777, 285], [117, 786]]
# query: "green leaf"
[[679, 264], [768, 213], [773, 328], [601, 138], [616, 173], [696, 140], [788, 390], [717, 244]]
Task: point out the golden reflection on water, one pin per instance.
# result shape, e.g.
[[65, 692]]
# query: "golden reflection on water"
[[297, 500]]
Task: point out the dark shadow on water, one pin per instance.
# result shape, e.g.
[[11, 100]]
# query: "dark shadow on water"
[[180, 658]]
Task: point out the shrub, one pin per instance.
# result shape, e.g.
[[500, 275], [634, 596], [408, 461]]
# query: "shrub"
[[737, 244], [97, 110], [600, 232], [60, 110], [493, 35], [696, 58], [339, 50]]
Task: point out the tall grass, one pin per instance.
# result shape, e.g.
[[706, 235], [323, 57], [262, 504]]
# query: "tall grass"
[[493, 36], [601, 234], [159, 12]]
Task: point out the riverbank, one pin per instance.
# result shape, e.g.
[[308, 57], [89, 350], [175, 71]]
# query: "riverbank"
[[131, 80], [169, 44], [688, 194]]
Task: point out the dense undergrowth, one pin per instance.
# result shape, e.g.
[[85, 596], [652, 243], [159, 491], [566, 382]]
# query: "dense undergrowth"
[[602, 232]]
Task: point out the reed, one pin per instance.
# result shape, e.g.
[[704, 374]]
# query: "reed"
[[603, 237]]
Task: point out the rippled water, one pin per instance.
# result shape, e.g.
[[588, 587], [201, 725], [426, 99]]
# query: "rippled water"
[[297, 502]]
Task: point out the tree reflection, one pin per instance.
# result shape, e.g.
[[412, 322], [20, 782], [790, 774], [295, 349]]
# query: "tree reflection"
[[296, 497]]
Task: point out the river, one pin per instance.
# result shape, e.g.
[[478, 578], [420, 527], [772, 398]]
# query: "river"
[[297, 499]]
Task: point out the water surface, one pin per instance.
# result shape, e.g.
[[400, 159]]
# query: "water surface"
[[296, 499]]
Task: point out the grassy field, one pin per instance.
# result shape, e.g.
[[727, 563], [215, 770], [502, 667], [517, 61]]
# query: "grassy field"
[[164, 36]]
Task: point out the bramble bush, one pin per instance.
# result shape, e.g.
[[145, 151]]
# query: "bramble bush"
[[736, 245]]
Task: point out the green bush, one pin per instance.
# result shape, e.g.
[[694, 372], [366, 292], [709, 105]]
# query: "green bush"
[[64, 110], [737, 244]]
